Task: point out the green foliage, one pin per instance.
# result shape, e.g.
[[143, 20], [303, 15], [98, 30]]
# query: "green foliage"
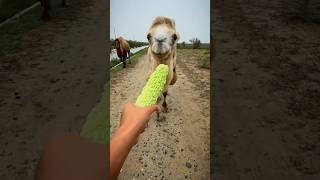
[[185, 45], [132, 43], [114, 62], [196, 43]]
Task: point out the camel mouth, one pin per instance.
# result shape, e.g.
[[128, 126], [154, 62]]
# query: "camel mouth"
[[160, 49], [160, 53]]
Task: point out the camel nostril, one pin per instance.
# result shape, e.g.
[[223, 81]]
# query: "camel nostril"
[[161, 40]]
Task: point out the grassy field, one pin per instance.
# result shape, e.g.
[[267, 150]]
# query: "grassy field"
[[201, 55], [9, 8], [97, 125], [114, 62]]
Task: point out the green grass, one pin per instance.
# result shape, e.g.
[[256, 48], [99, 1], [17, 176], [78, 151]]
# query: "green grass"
[[114, 62], [139, 54], [8, 8], [204, 64], [97, 125]]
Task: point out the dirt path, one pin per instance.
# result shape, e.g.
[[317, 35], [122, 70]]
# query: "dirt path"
[[177, 148], [266, 94], [49, 82]]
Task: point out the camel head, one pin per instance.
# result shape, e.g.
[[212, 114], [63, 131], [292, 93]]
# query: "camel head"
[[117, 43], [162, 35]]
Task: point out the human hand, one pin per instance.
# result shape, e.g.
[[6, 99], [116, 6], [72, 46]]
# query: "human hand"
[[135, 119]]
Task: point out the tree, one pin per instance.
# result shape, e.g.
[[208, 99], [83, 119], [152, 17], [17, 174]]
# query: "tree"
[[196, 43], [183, 44]]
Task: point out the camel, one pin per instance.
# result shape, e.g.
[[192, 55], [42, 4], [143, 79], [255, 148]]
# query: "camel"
[[47, 6], [162, 37], [123, 49]]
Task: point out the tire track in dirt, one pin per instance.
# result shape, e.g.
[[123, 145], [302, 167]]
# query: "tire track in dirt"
[[176, 148]]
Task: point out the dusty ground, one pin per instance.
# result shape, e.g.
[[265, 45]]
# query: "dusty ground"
[[178, 147], [266, 93], [51, 76]]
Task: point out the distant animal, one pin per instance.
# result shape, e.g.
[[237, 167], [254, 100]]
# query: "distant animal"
[[47, 7], [123, 50], [163, 37]]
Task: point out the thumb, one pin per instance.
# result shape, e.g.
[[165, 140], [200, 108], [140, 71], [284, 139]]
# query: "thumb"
[[151, 109]]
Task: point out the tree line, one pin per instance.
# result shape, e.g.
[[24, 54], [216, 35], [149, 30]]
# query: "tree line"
[[132, 43], [194, 43]]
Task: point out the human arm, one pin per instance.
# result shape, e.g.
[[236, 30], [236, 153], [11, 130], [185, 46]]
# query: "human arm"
[[133, 121]]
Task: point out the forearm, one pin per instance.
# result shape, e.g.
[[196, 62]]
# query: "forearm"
[[133, 122], [120, 146]]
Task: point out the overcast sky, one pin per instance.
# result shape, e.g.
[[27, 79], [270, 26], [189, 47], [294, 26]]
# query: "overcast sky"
[[132, 18]]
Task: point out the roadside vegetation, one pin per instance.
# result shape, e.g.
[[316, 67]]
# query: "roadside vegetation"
[[114, 62], [194, 43], [8, 8], [132, 43], [96, 127], [137, 55]]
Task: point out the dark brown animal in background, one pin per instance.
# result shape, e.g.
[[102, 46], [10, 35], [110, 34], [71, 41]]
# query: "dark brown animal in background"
[[47, 6], [123, 49]]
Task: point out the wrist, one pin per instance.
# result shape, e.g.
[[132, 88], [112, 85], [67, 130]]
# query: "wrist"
[[127, 134]]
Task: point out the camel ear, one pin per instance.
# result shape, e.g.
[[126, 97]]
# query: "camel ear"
[[173, 22]]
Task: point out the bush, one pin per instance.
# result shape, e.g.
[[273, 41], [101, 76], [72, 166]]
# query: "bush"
[[196, 43]]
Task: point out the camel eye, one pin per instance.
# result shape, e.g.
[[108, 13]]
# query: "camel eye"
[[174, 36], [148, 37]]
